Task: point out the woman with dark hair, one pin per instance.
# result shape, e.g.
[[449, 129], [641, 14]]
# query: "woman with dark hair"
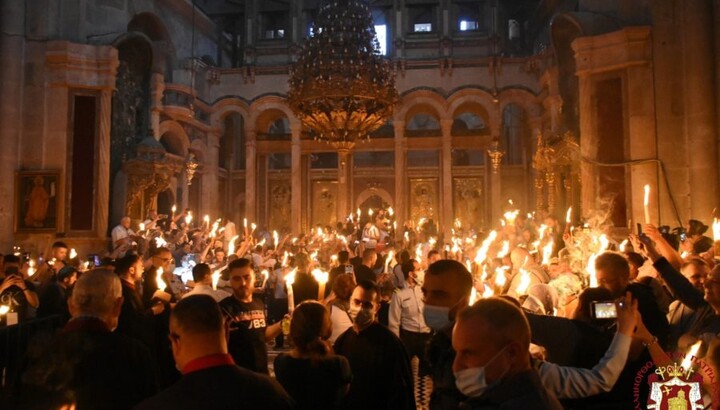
[[311, 373]]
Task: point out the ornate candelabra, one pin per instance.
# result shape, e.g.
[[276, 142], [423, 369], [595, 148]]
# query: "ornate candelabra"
[[191, 166], [495, 155]]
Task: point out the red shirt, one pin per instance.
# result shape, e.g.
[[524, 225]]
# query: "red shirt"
[[206, 362]]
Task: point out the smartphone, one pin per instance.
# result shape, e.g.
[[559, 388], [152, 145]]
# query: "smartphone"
[[604, 310], [639, 229]]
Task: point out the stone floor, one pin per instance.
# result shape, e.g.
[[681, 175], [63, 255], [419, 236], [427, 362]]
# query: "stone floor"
[[423, 385]]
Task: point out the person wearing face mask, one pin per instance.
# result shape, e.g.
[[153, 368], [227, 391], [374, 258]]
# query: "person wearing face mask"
[[446, 290], [492, 364], [382, 376], [406, 313]]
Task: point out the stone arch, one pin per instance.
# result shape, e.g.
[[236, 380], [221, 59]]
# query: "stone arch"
[[369, 192], [424, 100], [228, 106], [521, 97], [164, 54], [174, 138], [262, 105]]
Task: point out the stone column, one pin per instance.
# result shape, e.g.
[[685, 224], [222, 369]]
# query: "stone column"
[[251, 175], [102, 196], [296, 207], [343, 202], [401, 200], [700, 126], [495, 180], [12, 44], [212, 202], [157, 89], [446, 189]]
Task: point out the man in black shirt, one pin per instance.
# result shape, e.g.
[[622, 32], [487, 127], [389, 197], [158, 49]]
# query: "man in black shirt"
[[15, 292], [364, 272], [382, 377], [249, 331]]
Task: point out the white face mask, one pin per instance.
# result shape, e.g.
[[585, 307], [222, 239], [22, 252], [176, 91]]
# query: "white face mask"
[[436, 317], [361, 316], [471, 382]]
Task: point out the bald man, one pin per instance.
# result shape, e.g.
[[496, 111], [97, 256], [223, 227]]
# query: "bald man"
[[521, 259], [492, 364]]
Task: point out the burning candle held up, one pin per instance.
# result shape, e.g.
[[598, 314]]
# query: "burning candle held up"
[[216, 277], [322, 278], [73, 254], [646, 201], [160, 293], [389, 258], [289, 280]]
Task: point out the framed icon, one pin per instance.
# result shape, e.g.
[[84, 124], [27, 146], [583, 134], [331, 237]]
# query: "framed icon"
[[36, 201]]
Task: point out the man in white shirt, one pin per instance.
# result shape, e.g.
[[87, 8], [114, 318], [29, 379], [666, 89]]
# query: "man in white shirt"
[[203, 283], [122, 236], [406, 313]]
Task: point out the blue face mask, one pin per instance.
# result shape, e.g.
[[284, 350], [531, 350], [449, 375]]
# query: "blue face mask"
[[436, 317], [471, 382]]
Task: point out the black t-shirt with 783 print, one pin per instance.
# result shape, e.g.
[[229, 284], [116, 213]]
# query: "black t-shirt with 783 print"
[[247, 333]]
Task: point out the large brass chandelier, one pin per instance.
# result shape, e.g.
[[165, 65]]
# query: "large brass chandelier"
[[341, 88]]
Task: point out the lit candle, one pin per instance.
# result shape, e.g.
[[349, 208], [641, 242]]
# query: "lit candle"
[[391, 212], [370, 212], [358, 214], [252, 227], [216, 277], [172, 215], [188, 219], [265, 275], [276, 239], [473, 296], [646, 201], [206, 219], [4, 309], [160, 282], [524, 282], [289, 280], [231, 245], [160, 242], [31, 267], [322, 278], [142, 226], [546, 252], [568, 219], [389, 258], [690, 356], [73, 254]]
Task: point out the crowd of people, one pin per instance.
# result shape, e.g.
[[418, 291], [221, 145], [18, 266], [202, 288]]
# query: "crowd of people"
[[180, 313]]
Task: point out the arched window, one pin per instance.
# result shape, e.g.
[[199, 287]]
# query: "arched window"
[[469, 123], [423, 125], [513, 134]]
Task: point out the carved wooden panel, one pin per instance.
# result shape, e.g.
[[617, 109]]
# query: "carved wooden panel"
[[280, 192], [423, 199], [469, 202], [324, 203]]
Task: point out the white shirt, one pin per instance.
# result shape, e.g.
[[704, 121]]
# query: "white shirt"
[[203, 289], [340, 322], [120, 232], [406, 308]]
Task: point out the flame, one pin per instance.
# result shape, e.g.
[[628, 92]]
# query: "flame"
[[174, 208], [510, 216], [245, 223], [504, 250], [646, 198], [716, 229], [524, 282], [214, 229], [500, 278], [458, 224], [488, 293], [31, 267], [390, 211], [473, 296], [590, 268], [188, 219], [547, 251], [216, 277], [206, 219], [160, 242], [285, 259], [568, 215], [4, 309], [604, 243], [394, 225], [407, 236], [253, 226], [73, 254], [262, 243], [319, 275], [623, 245], [142, 226], [418, 252], [421, 222], [468, 265], [231, 245], [333, 259], [160, 282], [484, 275], [265, 274], [290, 277], [432, 241], [276, 239], [692, 352], [370, 212], [541, 231], [481, 254]]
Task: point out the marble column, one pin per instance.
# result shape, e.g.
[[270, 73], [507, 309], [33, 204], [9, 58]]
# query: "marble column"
[[212, 202], [251, 175], [343, 194], [446, 189], [496, 203], [401, 200], [12, 44], [296, 207], [700, 126], [157, 90], [102, 195]]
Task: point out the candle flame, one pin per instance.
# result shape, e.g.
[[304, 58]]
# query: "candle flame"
[[253, 226], [407, 236], [623, 245], [646, 198], [590, 268], [231, 245], [73, 254], [568, 216], [206, 219], [481, 254], [245, 223], [391, 212], [389, 258], [716, 229], [276, 238], [142, 226], [4, 309], [160, 282], [370, 212], [285, 259], [473, 296], [290, 277], [160, 242], [488, 293], [504, 250], [320, 276], [547, 251], [692, 352], [216, 277], [188, 219], [500, 278], [510, 216], [524, 282], [174, 208], [418, 252], [265, 274], [541, 230]]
